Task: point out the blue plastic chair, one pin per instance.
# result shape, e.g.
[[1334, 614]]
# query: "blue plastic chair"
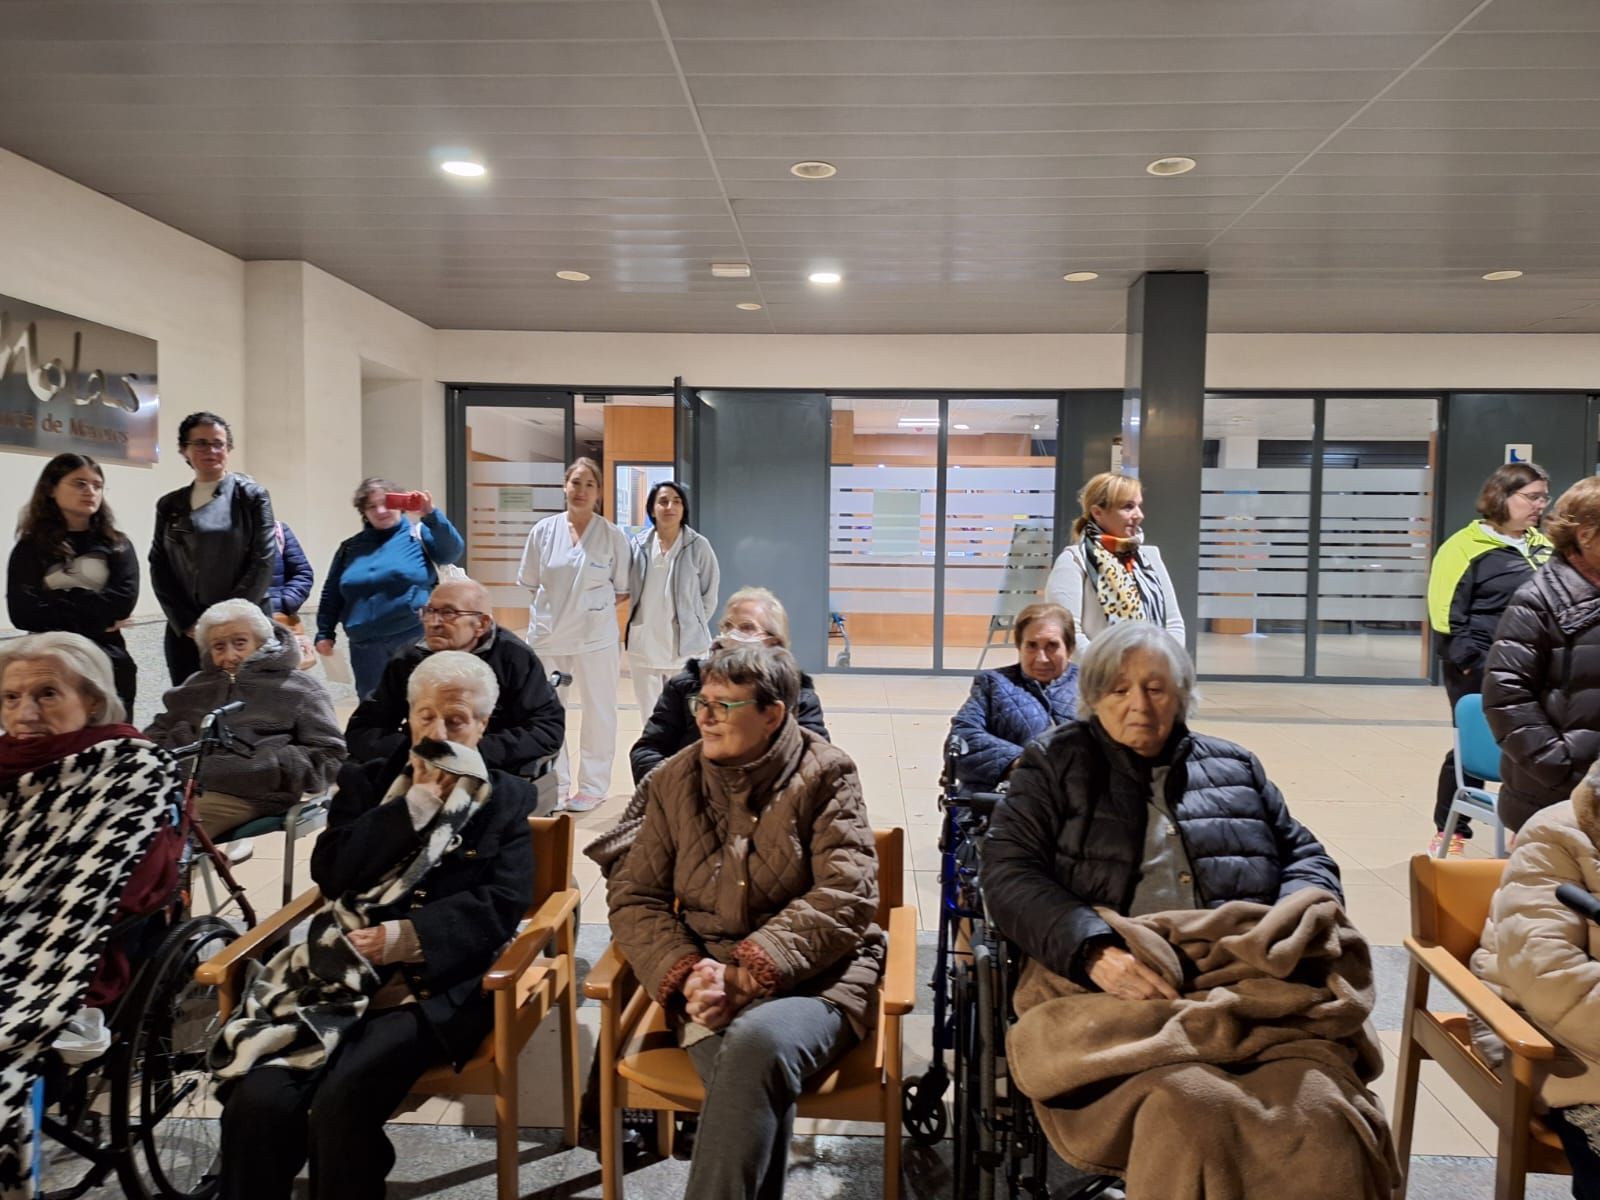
[[1477, 754]]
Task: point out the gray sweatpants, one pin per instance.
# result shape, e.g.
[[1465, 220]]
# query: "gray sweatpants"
[[753, 1072]]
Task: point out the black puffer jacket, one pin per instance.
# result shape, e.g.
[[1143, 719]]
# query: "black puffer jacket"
[[1541, 690], [1070, 836], [672, 726]]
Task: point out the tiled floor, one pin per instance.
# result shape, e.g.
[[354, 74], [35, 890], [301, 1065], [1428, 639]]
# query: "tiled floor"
[[1357, 764]]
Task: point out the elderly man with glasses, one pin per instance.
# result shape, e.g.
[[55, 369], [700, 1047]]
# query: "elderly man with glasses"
[[528, 721]]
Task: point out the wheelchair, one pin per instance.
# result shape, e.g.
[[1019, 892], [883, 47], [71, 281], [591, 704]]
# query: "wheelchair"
[[998, 1147], [144, 1109]]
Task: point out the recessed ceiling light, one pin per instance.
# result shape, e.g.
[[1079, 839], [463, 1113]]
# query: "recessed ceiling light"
[[573, 276], [812, 169], [1036, 427], [963, 427], [730, 270], [749, 306], [1496, 276], [1177, 164], [824, 277], [1080, 276], [464, 168]]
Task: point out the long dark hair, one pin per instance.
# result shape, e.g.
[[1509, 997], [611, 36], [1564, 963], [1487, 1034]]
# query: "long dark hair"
[[42, 524]]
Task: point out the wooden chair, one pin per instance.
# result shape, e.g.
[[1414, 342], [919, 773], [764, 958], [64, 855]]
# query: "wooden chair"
[[642, 1067], [1449, 905], [526, 982]]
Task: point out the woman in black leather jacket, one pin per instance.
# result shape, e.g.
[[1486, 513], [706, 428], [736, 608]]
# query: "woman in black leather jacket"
[[1129, 810], [214, 540]]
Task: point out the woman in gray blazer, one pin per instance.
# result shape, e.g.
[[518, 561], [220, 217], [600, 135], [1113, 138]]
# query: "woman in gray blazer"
[[673, 582]]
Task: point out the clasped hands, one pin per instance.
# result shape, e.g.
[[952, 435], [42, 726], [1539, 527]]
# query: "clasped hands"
[[714, 993], [1118, 973]]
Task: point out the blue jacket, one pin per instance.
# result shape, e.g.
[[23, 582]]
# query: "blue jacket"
[[1005, 712], [292, 575], [379, 578]]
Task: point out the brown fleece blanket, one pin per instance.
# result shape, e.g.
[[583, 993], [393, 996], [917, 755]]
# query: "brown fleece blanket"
[[1251, 1084]]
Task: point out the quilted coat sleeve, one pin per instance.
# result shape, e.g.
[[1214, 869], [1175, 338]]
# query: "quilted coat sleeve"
[[818, 928], [1020, 888], [1514, 685], [666, 732], [1303, 860], [988, 754], [808, 713], [1543, 946], [640, 896]]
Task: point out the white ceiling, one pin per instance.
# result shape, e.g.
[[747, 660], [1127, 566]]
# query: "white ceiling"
[[1362, 162]]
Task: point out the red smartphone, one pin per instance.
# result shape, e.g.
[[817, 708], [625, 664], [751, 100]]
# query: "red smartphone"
[[403, 501]]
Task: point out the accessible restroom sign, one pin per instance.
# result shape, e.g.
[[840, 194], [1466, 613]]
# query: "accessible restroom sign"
[[1519, 452]]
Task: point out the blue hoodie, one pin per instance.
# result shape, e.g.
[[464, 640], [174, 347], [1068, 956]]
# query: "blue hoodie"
[[379, 578]]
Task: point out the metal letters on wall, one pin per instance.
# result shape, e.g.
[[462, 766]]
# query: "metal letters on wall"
[[71, 384]]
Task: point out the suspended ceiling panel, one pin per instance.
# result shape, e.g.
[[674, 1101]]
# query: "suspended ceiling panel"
[[1362, 163]]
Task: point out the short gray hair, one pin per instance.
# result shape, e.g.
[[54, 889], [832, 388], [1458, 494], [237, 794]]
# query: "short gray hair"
[[777, 621], [479, 594], [78, 657], [224, 611], [770, 670], [456, 669], [1102, 662]]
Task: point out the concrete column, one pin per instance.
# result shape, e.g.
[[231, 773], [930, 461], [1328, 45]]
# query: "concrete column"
[[1163, 418]]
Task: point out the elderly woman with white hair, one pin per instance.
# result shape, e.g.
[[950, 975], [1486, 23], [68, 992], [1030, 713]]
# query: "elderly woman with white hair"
[[290, 742], [425, 872], [1178, 921], [82, 797]]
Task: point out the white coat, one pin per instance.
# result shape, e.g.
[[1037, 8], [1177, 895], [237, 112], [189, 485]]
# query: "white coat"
[[575, 586]]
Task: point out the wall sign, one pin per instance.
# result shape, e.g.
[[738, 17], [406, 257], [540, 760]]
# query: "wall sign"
[[70, 384], [1519, 452]]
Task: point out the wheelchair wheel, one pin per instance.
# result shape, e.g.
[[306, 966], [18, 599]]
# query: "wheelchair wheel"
[[163, 1103], [922, 1108]]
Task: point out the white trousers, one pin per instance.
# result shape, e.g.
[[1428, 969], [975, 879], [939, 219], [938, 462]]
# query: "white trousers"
[[648, 684], [594, 679]]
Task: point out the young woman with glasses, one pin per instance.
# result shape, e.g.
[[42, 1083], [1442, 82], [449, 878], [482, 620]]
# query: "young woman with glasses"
[[214, 539], [382, 576], [72, 570]]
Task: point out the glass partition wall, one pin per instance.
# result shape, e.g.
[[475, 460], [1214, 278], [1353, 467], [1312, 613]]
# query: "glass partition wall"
[[1316, 532], [941, 527]]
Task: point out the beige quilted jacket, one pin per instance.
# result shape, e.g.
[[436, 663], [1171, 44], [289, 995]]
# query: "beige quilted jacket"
[[771, 866], [1542, 957]]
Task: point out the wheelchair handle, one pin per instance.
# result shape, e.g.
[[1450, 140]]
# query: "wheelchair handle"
[[1579, 901]]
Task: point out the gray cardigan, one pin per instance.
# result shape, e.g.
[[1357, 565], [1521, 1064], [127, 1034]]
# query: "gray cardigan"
[[692, 581]]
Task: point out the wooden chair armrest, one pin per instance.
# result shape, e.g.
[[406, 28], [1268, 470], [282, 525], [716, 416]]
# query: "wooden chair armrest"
[[609, 977], [900, 971], [1510, 1026], [216, 970], [530, 943]]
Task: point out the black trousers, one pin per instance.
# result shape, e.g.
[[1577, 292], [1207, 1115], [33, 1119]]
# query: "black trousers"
[[275, 1119], [183, 656], [1457, 683], [1581, 1154]]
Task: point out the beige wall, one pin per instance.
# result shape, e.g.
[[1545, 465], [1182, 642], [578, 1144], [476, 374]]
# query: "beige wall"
[[72, 249]]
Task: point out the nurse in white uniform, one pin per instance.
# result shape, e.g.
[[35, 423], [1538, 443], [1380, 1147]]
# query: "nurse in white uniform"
[[674, 588], [576, 565]]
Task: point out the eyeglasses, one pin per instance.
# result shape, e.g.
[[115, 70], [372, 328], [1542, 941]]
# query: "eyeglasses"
[[88, 485], [446, 614], [721, 710], [1534, 497], [749, 628], [205, 444]]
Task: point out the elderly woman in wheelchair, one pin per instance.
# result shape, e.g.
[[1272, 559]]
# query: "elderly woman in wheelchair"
[[425, 871], [82, 799], [288, 741], [1178, 921], [1544, 958], [1011, 706], [746, 906]]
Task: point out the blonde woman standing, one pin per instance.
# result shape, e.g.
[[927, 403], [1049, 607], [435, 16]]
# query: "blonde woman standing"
[[1108, 574], [576, 564]]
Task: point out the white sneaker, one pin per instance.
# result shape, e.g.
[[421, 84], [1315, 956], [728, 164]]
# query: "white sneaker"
[[241, 851], [583, 804], [84, 1036]]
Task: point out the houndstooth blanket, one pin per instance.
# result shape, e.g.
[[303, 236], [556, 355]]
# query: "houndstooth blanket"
[[310, 994], [70, 836]]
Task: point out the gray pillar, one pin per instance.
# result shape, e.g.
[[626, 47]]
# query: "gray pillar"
[[1163, 411]]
